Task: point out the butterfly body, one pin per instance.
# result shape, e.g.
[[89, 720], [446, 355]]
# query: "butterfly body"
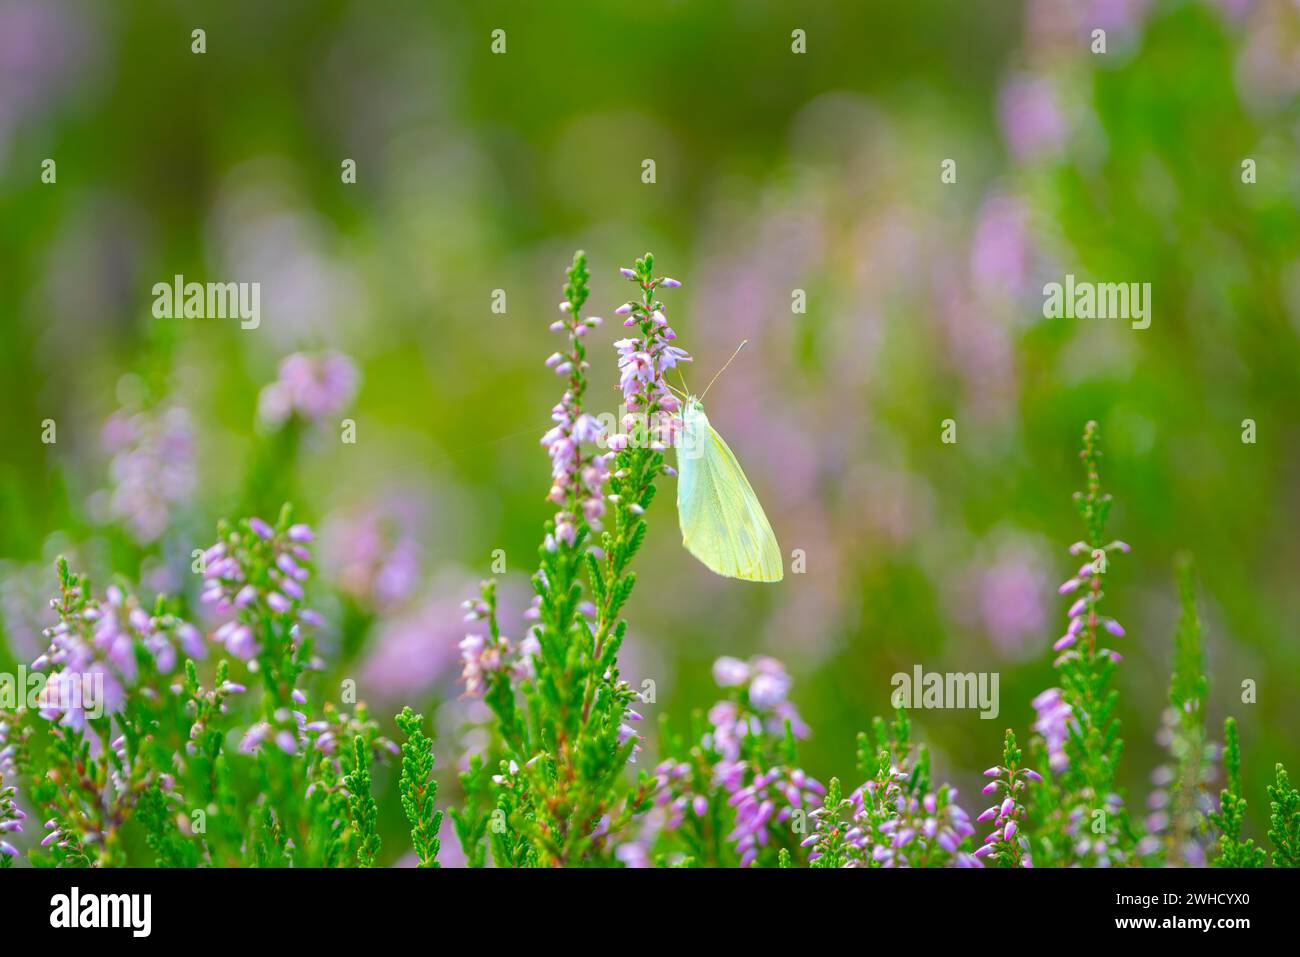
[[723, 524]]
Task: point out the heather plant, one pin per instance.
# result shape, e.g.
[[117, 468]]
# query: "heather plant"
[[1005, 845], [1284, 820], [1234, 849], [1089, 824], [563, 711], [1180, 799], [158, 740], [419, 789]]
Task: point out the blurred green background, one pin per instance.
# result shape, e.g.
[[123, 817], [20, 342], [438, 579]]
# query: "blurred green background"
[[775, 172]]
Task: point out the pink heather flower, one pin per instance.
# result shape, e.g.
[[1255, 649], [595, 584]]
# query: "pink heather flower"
[[480, 658], [643, 361], [1000, 247], [636, 368], [313, 388]]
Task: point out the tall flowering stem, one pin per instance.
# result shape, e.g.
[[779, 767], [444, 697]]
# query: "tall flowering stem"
[[561, 784], [1096, 829], [650, 425], [255, 574]]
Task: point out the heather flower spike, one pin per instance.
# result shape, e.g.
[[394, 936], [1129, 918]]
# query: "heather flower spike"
[[1007, 844]]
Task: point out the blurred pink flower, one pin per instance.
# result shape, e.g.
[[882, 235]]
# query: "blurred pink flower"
[[45, 49], [999, 257], [1004, 594], [312, 387], [373, 554], [152, 468], [1032, 118], [411, 651], [1268, 68]]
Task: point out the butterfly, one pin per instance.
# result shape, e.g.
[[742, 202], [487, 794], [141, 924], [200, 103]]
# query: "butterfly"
[[723, 524]]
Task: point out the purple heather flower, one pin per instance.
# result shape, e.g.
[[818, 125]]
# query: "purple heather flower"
[[770, 684], [577, 478], [92, 654], [253, 738], [152, 469], [768, 801], [1054, 713], [1005, 816], [643, 361], [11, 816], [227, 585], [729, 672], [898, 829]]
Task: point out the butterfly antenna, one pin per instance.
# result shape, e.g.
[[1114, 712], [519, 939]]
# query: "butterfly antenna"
[[723, 369], [686, 390]]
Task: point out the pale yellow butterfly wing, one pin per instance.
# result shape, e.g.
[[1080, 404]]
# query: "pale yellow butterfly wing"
[[723, 524]]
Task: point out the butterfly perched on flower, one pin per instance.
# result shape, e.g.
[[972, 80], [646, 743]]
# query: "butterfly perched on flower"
[[723, 524]]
